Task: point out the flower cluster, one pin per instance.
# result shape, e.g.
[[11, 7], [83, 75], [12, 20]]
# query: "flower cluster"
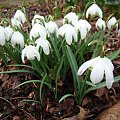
[[46, 41]]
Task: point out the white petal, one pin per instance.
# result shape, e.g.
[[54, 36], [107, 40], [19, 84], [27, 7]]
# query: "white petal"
[[23, 55], [68, 37], [85, 65], [109, 77], [83, 32], [97, 73]]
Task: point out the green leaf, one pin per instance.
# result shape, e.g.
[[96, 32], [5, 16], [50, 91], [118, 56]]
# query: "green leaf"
[[20, 65], [18, 71], [101, 85], [73, 64], [57, 73], [114, 55], [94, 41], [29, 100], [33, 81], [65, 96], [41, 86]]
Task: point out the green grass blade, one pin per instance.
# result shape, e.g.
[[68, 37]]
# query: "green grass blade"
[[18, 71], [65, 96], [33, 81]]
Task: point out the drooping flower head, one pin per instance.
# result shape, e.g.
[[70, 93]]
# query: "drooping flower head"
[[69, 32], [100, 24], [15, 23], [94, 10], [111, 23], [8, 33], [71, 18], [38, 31], [100, 66], [17, 38], [38, 19], [84, 27], [44, 44], [30, 52], [20, 16], [2, 36], [51, 27]]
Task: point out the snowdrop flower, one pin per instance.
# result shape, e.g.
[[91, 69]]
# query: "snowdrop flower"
[[2, 36], [38, 19], [119, 33], [17, 38], [41, 42], [8, 33], [69, 32], [84, 27], [15, 23], [51, 27], [38, 31], [71, 17], [30, 52], [20, 16], [100, 66], [94, 10], [100, 24], [111, 23]]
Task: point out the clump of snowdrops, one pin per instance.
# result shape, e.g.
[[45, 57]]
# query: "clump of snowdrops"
[[54, 50]]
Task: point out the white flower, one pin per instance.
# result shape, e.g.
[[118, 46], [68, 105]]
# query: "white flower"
[[17, 38], [41, 42], [69, 32], [30, 52], [51, 27], [111, 23], [8, 33], [100, 66], [38, 31], [84, 27], [20, 16], [100, 24], [38, 19], [119, 33], [2, 36], [71, 17], [94, 10], [15, 23]]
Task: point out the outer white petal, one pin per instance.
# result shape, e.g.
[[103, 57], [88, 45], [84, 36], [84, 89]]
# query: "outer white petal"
[[51, 27], [119, 33], [17, 38], [15, 23], [44, 44], [86, 65], [100, 24], [2, 38], [83, 32], [97, 73], [36, 54], [109, 76], [108, 63], [2, 35], [68, 37], [94, 10], [20, 16], [9, 32], [30, 52], [23, 55], [111, 23], [36, 19], [71, 17], [38, 31]]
